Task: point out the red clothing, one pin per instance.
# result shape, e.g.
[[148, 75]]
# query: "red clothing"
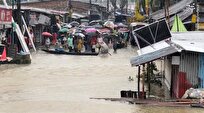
[[93, 41], [54, 38]]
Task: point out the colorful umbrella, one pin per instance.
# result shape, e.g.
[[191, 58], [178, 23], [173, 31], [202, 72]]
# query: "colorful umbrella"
[[47, 34], [122, 30], [80, 35], [109, 24], [63, 30], [104, 30], [74, 24], [121, 25], [67, 26], [90, 30]]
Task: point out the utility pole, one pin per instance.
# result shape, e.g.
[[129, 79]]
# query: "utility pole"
[[127, 7], [90, 3], [108, 1], [69, 6], [90, 6], [18, 13], [166, 8]]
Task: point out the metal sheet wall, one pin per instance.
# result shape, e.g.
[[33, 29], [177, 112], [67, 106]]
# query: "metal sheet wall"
[[189, 63], [201, 70]]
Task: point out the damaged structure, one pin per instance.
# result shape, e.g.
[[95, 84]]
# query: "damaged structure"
[[182, 54]]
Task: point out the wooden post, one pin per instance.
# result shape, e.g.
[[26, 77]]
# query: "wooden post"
[[108, 1], [143, 81], [138, 84], [150, 74], [148, 78]]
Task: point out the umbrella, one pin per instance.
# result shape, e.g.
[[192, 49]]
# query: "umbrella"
[[47, 34], [122, 30], [97, 26], [121, 25], [90, 30], [67, 26], [74, 23], [104, 30], [94, 22], [109, 24], [63, 30], [79, 34]]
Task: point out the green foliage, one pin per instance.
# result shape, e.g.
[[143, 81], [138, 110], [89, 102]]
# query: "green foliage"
[[152, 71]]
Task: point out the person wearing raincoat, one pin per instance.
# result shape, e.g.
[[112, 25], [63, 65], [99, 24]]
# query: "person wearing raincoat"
[[79, 44], [70, 43], [47, 42]]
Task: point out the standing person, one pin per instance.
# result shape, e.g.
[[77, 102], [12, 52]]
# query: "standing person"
[[65, 44], [114, 45], [86, 41], [54, 38], [58, 24], [79, 44], [100, 42], [47, 42], [70, 43], [75, 44], [55, 28], [93, 43], [32, 37]]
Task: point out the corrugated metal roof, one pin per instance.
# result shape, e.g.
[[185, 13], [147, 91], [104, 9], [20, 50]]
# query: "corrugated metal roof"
[[153, 47], [141, 59], [153, 52], [189, 41], [172, 10]]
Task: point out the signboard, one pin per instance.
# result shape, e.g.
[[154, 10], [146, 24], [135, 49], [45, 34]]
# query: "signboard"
[[175, 60], [5, 16], [153, 33]]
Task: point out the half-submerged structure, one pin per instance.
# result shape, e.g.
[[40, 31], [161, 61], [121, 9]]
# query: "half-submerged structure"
[[182, 54]]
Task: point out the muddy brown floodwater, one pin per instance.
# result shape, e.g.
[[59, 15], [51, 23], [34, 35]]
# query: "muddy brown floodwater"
[[65, 84]]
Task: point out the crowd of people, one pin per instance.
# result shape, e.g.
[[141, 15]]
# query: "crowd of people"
[[77, 39]]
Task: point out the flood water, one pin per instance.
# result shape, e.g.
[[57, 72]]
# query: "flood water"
[[65, 84]]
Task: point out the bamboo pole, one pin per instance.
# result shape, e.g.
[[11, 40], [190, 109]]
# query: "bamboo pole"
[[138, 84], [143, 81]]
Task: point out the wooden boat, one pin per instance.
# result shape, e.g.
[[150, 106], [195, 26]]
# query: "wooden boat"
[[52, 51]]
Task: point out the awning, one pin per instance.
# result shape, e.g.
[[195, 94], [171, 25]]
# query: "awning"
[[144, 58]]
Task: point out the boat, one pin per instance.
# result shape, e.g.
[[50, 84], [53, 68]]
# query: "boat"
[[52, 51]]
